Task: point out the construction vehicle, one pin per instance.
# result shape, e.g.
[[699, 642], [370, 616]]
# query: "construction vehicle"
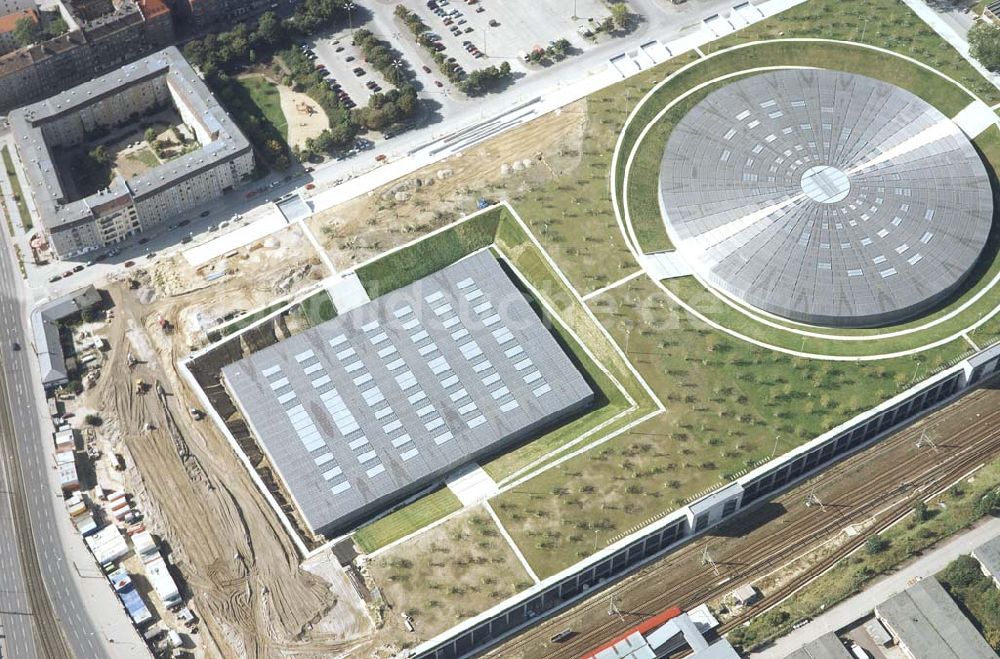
[[131, 360], [141, 387], [196, 414]]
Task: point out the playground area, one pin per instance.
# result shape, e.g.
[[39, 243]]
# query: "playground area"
[[305, 117]]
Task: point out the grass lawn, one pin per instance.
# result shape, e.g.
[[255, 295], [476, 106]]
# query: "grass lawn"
[[851, 575], [318, 308], [15, 186], [264, 95], [145, 156], [450, 573], [407, 519], [884, 23]]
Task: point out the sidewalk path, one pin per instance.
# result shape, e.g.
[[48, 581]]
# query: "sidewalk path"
[[861, 604]]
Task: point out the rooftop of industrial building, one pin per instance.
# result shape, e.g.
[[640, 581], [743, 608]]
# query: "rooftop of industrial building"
[[827, 646], [404, 389], [988, 555], [930, 625]]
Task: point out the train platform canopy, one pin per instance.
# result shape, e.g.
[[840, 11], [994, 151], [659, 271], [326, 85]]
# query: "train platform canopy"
[[385, 399]]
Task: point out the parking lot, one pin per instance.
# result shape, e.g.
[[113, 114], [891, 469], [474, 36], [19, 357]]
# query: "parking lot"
[[504, 31], [346, 71]]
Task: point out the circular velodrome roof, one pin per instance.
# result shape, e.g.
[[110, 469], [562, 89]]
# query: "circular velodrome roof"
[[825, 197]]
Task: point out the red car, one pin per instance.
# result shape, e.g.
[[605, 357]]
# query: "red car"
[[129, 264]]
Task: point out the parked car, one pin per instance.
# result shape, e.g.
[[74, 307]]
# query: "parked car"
[[184, 223], [54, 278], [79, 268], [338, 49], [438, 83], [358, 71], [129, 264], [205, 213], [349, 58], [68, 273], [426, 68]]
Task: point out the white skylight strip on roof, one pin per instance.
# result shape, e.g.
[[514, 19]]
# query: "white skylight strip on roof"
[[402, 439], [402, 311], [395, 363], [364, 378], [465, 283], [367, 327], [406, 380], [337, 340], [468, 407], [458, 395], [332, 473], [443, 437], [442, 310], [531, 377], [427, 349], [320, 381], [386, 351], [285, 397], [509, 405], [312, 368], [342, 416], [358, 443], [372, 396], [449, 381], [434, 424], [491, 320], [410, 324], [470, 350], [491, 379], [305, 429], [383, 412], [451, 322], [439, 365], [354, 366], [417, 397], [375, 471], [434, 297], [409, 454], [302, 356], [345, 353], [271, 370], [502, 334], [367, 456], [417, 337], [482, 366], [425, 410], [392, 426], [278, 384], [513, 352], [460, 334], [379, 338], [483, 307], [500, 393], [540, 391], [474, 295], [340, 487], [477, 421]]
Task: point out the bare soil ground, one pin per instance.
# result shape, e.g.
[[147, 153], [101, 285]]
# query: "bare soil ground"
[[450, 573], [305, 117], [237, 561], [522, 159]]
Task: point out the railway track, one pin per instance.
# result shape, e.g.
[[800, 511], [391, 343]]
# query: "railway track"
[[49, 639], [908, 473]]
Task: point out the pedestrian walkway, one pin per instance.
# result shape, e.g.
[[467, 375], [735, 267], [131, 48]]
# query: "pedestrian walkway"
[[863, 603]]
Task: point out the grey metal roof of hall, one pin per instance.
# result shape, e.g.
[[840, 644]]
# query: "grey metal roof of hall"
[[825, 197], [402, 390]]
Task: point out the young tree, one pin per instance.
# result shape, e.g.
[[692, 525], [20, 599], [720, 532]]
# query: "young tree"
[[875, 545], [620, 14], [984, 44], [100, 155], [26, 31], [56, 27], [149, 135]]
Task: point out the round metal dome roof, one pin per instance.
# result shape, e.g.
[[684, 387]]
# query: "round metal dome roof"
[[825, 197]]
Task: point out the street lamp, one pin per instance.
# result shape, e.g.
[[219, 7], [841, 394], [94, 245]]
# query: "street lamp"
[[350, 6]]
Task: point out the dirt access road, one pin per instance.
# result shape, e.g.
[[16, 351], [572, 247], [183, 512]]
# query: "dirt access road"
[[240, 567]]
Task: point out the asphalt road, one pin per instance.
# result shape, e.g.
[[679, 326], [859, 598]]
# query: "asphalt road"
[[40, 573]]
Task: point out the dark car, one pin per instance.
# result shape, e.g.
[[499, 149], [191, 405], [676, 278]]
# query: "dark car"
[[349, 58], [78, 268], [16, 346], [358, 71], [129, 264], [204, 214], [143, 241], [339, 49], [426, 68], [184, 223], [54, 278]]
